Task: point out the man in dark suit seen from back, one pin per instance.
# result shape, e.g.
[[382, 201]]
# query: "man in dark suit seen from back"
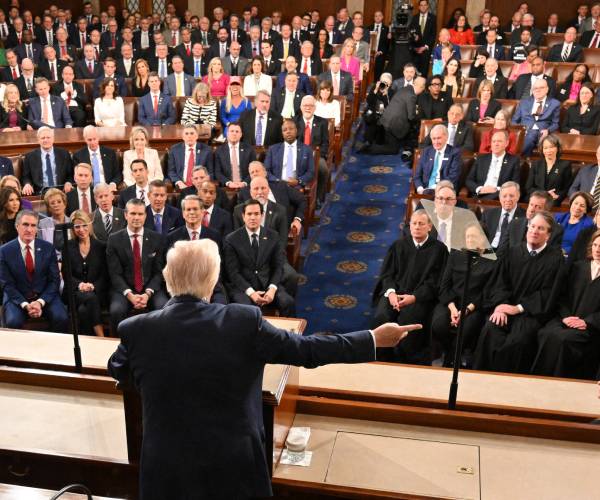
[[160, 216]]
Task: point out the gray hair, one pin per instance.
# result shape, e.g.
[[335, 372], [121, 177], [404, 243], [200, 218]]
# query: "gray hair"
[[101, 186], [419, 213], [440, 127], [23, 213], [190, 197], [192, 268], [445, 183], [510, 184]]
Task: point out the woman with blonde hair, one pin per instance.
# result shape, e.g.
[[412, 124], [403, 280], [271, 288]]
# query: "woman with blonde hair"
[[88, 268], [56, 208], [234, 105], [12, 116], [257, 79], [349, 62], [140, 150], [139, 83], [217, 80], [200, 108]]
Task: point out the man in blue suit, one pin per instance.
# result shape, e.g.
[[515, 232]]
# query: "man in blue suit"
[[110, 71], [290, 160], [587, 179], [47, 110], [160, 216], [184, 156], [30, 278], [155, 108], [540, 115], [186, 82], [197, 347], [291, 66], [493, 46], [440, 161]]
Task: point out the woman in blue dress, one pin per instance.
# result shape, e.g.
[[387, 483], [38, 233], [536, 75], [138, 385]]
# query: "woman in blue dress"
[[576, 219], [234, 103]]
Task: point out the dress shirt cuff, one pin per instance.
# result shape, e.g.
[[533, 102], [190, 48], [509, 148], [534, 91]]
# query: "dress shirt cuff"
[[374, 345], [274, 287], [477, 189], [68, 126], [388, 291], [24, 305], [149, 291], [249, 291], [420, 190], [520, 308], [298, 219], [127, 292], [42, 302]]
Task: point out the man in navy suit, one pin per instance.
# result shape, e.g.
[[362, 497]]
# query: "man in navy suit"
[[88, 67], [30, 278], [214, 217], [197, 346], [291, 160], [104, 161], [241, 153], [81, 197], [6, 167], [568, 51], [156, 108], [339, 77], [540, 115], [261, 126], [29, 49], [135, 257], [111, 39], [184, 156], [440, 161], [110, 71], [291, 67], [493, 46], [587, 178], [160, 216], [47, 110], [492, 170]]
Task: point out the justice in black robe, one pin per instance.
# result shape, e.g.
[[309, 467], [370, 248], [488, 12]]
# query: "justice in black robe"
[[568, 352], [580, 245], [530, 282], [413, 271], [451, 290]]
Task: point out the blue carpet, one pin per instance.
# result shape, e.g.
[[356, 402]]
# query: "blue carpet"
[[358, 223]]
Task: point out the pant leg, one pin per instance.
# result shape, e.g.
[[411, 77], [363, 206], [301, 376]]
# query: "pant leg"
[[119, 307], [530, 142], [492, 338], [384, 313], [78, 116], [415, 347], [56, 312], [517, 353], [158, 300], [290, 279], [322, 179], [240, 298], [391, 145], [89, 310], [14, 316], [285, 303], [441, 329]]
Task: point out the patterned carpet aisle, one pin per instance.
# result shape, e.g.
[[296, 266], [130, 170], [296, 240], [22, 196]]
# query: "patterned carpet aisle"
[[360, 221]]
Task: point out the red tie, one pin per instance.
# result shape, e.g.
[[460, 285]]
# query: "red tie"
[[69, 94], [138, 282], [155, 104], [97, 53], [190, 169], [14, 73], [90, 68], [187, 49], [29, 267], [205, 220], [305, 66], [594, 43], [194, 235], [82, 40], [307, 134], [63, 50], [174, 39], [114, 41]]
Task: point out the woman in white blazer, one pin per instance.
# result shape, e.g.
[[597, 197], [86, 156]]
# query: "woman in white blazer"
[[139, 142], [257, 79]]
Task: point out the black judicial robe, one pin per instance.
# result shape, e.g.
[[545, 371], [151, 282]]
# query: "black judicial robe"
[[579, 249], [530, 282], [568, 352]]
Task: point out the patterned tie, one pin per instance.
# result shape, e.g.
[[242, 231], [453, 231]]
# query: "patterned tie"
[[85, 204], [565, 53], [142, 195], [82, 40], [259, 131], [289, 164], [107, 223], [90, 67], [14, 73], [533, 253], [235, 165], [194, 235], [138, 282], [504, 225], [173, 38], [95, 168], [422, 22], [163, 70], [594, 42], [596, 194], [29, 52], [29, 266], [155, 104], [49, 172], [190, 167]]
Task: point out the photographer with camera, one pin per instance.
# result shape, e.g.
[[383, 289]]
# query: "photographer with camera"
[[399, 121], [378, 99]]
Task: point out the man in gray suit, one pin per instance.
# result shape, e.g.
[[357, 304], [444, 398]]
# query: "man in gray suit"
[[397, 120], [587, 180], [362, 49], [234, 64], [107, 219], [178, 83]]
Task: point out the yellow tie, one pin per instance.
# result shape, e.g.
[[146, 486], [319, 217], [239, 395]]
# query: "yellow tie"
[[285, 50], [179, 89]]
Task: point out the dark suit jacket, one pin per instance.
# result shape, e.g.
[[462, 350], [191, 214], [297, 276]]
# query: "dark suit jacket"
[[586, 123], [271, 135], [293, 50], [6, 74], [586, 38], [233, 349], [171, 219], [584, 180], [44, 69], [315, 64], [472, 114], [384, 43], [510, 171], [220, 221], [73, 200], [182, 234], [536, 37], [33, 165], [449, 167], [21, 119], [6, 166], [110, 163], [555, 53], [498, 54], [60, 113], [319, 132], [304, 85], [428, 35], [82, 71], [176, 169], [548, 119], [36, 49], [429, 108], [118, 223], [559, 178], [119, 257], [346, 83], [215, 50], [246, 154], [106, 41], [166, 114], [24, 94], [491, 218], [400, 112], [15, 283], [189, 66], [305, 165], [122, 71], [517, 230], [520, 85], [463, 138], [275, 219], [97, 273], [273, 68], [278, 101], [500, 86], [121, 89], [81, 99]]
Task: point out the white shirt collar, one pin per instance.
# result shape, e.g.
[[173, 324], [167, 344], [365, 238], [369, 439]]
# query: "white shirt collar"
[[131, 233], [539, 250]]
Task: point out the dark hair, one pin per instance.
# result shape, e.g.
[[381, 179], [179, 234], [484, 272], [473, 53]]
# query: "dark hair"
[[465, 27], [586, 85], [235, 124], [526, 28], [325, 84], [544, 195], [250, 202], [452, 20], [105, 84], [134, 202], [593, 237], [548, 218], [262, 64], [586, 78], [555, 141], [587, 197], [5, 194], [531, 47], [157, 183], [139, 160]]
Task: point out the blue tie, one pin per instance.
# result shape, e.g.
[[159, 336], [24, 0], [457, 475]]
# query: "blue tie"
[[95, 168], [289, 164], [158, 223], [259, 131], [197, 70], [434, 172], [162, 69], [49, 172]]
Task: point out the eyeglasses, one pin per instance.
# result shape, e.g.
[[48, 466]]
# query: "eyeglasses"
[[435, 84], [78, 227]]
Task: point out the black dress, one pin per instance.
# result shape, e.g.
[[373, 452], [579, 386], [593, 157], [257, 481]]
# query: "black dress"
[[472, 114], [579, 249], [568, 352], [559, 178], [91, 269], [8, 231], [451, 289], [413, 271], [520, 280], [139, 91], [586, 123]]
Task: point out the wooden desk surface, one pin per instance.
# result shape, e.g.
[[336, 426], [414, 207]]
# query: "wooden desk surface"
[[579, 147], [419, 382], [509, 467], [14, 492], [62, 422]]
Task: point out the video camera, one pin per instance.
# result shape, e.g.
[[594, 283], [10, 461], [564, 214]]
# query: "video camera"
[[402, 16]]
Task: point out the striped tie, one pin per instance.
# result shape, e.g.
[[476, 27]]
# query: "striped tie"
[[596, 194]]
